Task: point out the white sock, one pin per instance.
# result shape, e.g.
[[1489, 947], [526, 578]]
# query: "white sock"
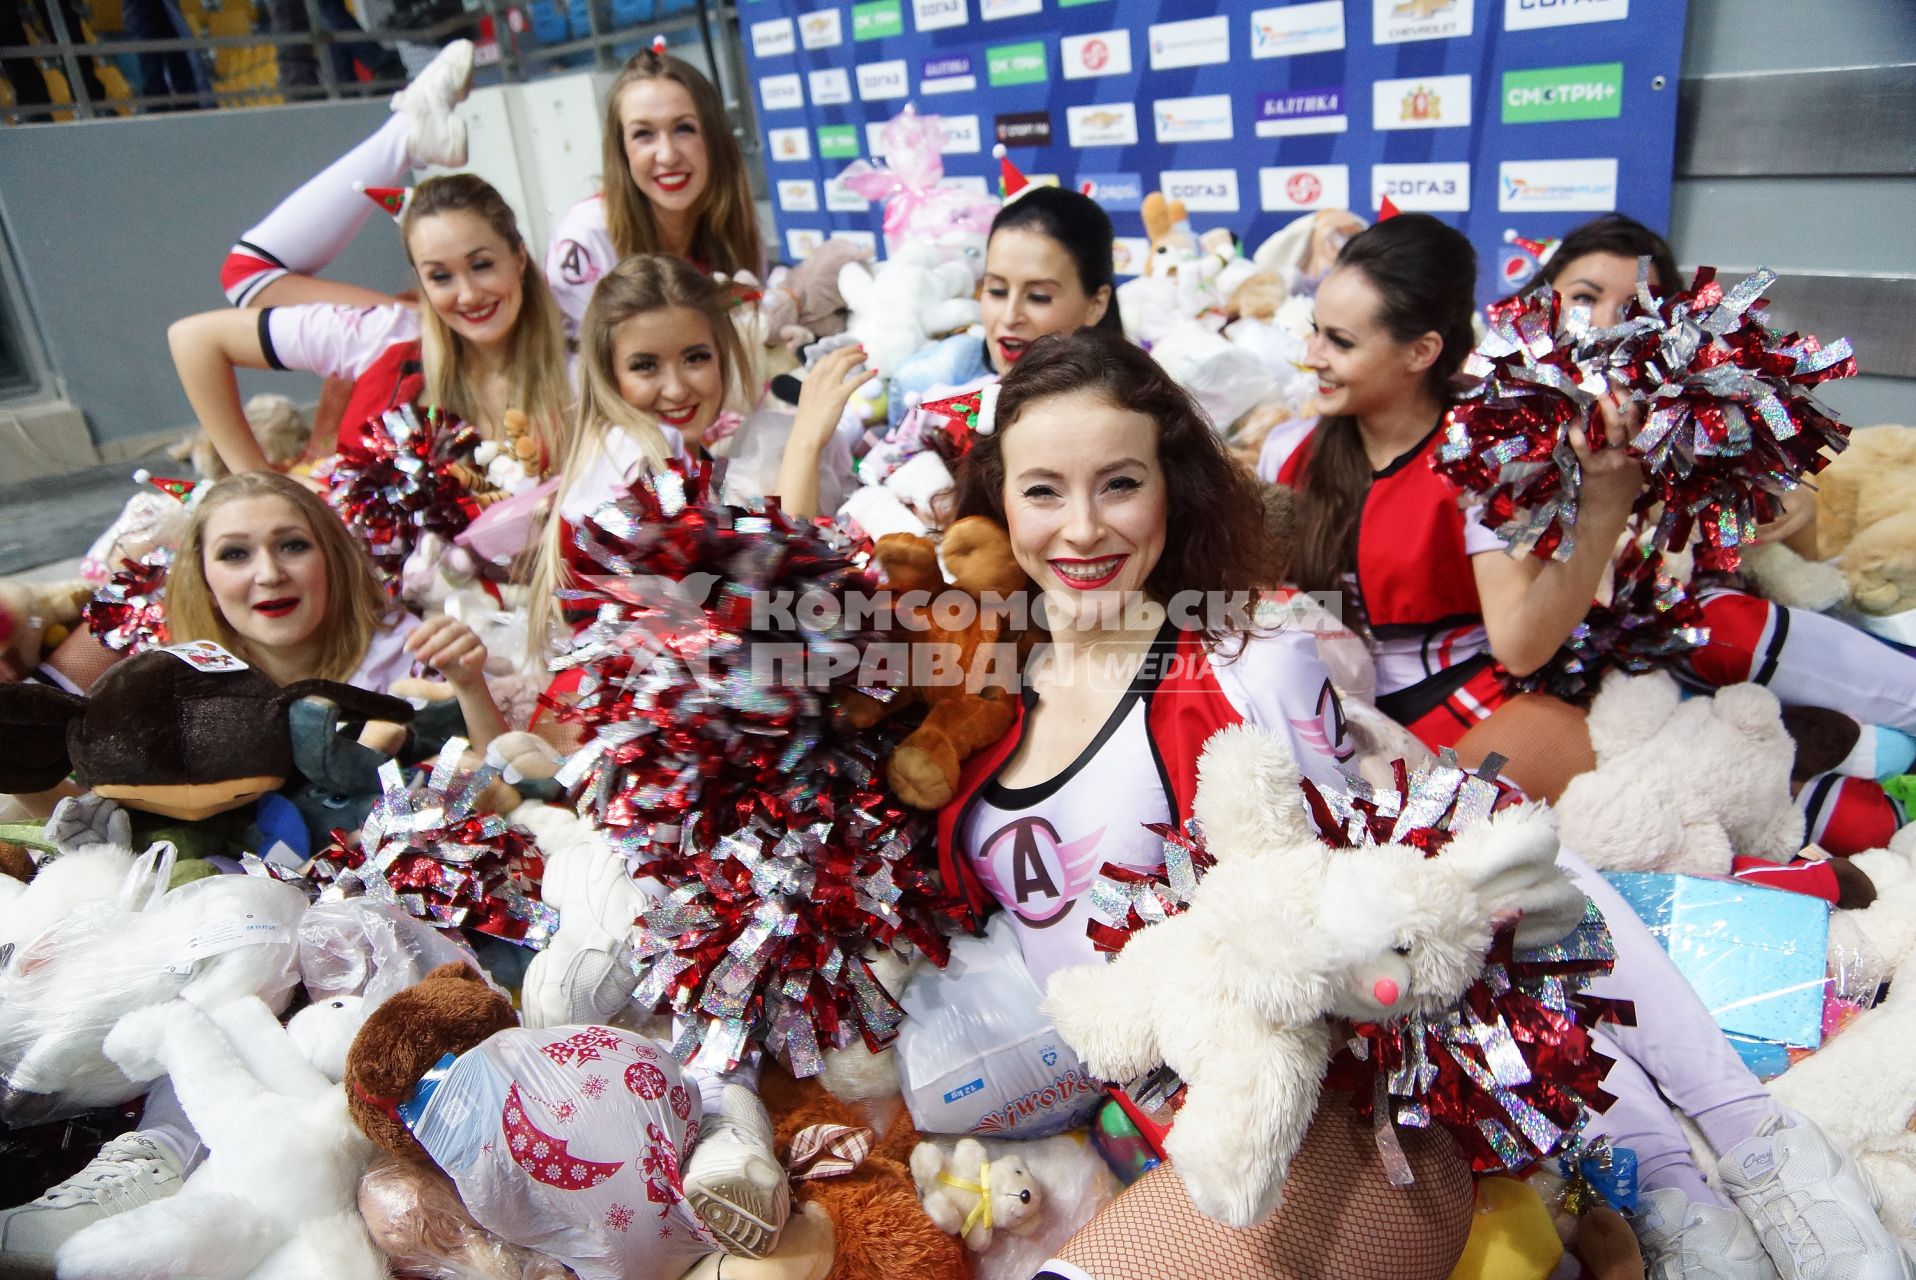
[[312, 226]]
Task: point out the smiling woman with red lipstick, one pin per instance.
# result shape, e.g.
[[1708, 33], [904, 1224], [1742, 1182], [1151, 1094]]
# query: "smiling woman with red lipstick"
[[675, 182], [1147, 541], [268, 572], [485, 340], [1048, 269]]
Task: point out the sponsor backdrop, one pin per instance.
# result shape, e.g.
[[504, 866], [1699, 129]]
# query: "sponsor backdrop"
[[1529, 115]]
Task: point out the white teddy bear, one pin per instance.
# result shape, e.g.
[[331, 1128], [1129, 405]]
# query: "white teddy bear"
[[1682, 785], [277, 1197], [971, 1196], [1233, 993], [910, 299]]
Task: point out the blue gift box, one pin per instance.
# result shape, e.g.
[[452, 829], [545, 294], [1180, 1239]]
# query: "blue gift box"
[[1758, 957]]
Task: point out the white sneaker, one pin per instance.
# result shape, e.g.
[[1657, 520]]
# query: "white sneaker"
[[437, 136], [733, 1181], [130, 1171], [1681, 1239], [1814, 1209]]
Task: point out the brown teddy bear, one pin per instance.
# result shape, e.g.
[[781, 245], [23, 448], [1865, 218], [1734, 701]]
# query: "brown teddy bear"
[[924, 769], [450, 1011], [883, 1232]]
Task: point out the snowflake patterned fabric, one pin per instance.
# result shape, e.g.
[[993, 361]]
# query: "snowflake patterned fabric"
[[571, 1141]]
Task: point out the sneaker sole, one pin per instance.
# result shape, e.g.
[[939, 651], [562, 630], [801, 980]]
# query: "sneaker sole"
[[738, 1211]]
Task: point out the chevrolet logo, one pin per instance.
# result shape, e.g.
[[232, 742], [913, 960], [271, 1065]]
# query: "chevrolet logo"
[[1422, 8]]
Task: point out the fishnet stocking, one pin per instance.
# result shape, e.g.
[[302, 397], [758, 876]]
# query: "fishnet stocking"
[[1341, 1217]]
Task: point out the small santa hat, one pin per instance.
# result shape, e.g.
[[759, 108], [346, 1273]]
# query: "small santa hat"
[[179, 490], [1011, 183], [392, 199], [1386, 210]]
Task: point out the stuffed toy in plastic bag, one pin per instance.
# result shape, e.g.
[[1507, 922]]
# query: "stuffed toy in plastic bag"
[[569, 1141], [207, 942], [975, 1055]]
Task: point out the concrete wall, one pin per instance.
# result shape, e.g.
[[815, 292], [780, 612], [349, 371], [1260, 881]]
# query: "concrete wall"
[[1796, 150], [119, 227]]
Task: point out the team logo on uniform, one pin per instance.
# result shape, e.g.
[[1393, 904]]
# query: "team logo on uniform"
[[1027, 866], [1324, 732], [575, 264]]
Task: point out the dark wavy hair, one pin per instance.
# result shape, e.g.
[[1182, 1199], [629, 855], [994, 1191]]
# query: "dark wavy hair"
[[1214, 529], [1425, 274], [1618, 234]]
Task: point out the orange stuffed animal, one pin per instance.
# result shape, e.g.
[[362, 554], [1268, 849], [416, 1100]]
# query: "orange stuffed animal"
[[963, 718]]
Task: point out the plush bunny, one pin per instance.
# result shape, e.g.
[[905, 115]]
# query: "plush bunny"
[[972, 1196], [1233, 993], [277, 1194]]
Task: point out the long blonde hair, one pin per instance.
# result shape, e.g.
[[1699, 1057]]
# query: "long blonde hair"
[[356, 604], [540, 387], [637, 286], [725, 221]]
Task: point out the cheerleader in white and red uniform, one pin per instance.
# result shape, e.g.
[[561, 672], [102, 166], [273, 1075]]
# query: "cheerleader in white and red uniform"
[[484, 340], [1449, 613], [675, 182]]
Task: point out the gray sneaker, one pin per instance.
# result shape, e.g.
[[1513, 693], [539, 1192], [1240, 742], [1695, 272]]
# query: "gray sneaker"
[[1813, 1208], [130, 1171], [1686, 1241]]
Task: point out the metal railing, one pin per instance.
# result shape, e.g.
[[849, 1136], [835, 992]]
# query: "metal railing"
[[518, 57]]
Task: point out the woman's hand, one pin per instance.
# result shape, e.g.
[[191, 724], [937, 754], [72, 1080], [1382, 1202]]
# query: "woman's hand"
[[821, 403], [827, 390], [1612, 476], [449, 647]]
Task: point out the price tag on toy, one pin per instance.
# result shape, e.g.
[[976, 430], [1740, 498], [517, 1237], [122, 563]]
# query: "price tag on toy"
[[204, 655]]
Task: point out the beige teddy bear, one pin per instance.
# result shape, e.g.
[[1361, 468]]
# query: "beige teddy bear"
[[1866, 517]]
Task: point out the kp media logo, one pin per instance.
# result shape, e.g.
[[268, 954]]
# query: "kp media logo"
[[1593, 92], [1021, 63]]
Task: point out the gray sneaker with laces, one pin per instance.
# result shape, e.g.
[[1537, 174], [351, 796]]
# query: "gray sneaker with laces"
[[130, 1171], [1813, 1207], [1683, 1240]]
